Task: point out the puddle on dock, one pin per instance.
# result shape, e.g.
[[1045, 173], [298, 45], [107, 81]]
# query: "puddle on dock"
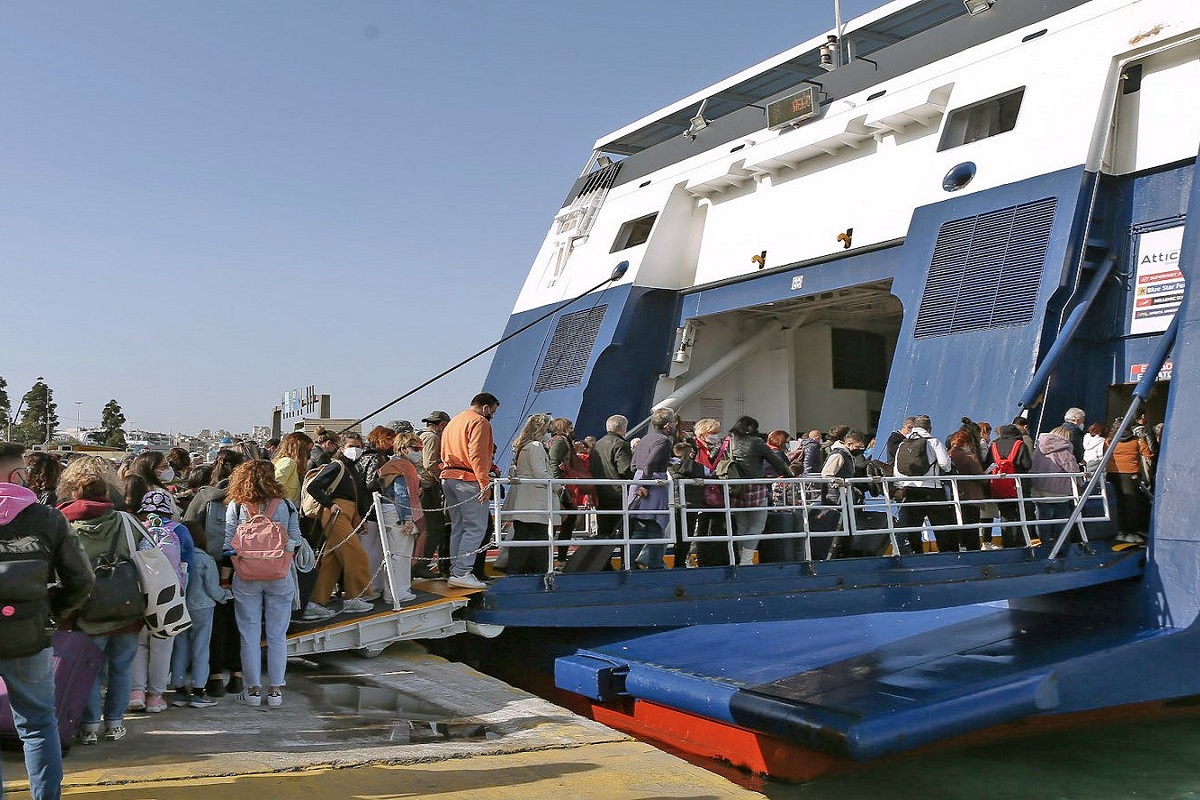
[[357, 710]]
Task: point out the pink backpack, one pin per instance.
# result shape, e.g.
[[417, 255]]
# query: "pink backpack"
[[261, 545]]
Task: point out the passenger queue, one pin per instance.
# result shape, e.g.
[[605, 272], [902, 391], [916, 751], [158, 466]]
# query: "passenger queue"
[[262, 539]]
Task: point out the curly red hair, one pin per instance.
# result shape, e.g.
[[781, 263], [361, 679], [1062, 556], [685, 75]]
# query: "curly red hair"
[[254, 482]]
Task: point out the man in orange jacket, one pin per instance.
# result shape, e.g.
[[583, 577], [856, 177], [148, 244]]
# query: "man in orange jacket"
[[466, 458]]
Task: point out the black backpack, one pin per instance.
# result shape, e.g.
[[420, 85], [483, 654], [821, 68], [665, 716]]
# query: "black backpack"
[[912, 457], [24, 575]]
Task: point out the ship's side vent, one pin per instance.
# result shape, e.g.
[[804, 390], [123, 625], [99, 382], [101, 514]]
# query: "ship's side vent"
[[986, 270], [570, 348]]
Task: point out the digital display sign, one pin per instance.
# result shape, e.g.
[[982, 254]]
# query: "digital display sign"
[[796, 108]]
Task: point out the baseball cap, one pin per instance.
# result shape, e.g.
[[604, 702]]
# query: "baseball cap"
[[435, 417]]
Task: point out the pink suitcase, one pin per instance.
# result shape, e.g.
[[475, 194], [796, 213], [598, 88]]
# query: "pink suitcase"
[[77, 661]]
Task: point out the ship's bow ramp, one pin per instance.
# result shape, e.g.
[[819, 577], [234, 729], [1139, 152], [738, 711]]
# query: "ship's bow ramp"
[[863, 687]]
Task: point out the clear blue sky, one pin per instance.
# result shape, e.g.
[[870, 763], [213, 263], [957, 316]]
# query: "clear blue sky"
[[206, 203]]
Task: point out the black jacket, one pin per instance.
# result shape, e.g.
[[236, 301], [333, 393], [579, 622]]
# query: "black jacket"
[[350, 487], [750, 453], [319, 458], [35, 546], [368, 465], [1003, 445]]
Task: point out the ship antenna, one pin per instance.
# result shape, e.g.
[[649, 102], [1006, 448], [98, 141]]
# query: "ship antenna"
[[618, 272]]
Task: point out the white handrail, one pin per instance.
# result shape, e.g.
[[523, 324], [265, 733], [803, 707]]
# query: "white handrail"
[[856, 496]]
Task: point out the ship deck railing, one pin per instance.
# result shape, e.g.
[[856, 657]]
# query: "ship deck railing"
[[866, 507]]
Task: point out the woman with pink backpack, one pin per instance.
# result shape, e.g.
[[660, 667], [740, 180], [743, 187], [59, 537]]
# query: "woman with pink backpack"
[[262, 531]]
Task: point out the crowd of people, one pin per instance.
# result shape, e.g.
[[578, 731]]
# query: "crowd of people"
[[311, 501], [1057, 463]]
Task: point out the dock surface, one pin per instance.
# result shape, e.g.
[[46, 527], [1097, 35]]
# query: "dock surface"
[[403, 724]]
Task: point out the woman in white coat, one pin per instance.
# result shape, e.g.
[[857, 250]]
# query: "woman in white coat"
[[532, 504]]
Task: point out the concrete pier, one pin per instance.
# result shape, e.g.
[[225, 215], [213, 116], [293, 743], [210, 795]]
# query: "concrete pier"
[[404, 724]]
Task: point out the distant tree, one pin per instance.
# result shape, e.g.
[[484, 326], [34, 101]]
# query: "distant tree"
[[97, 437], [112, 421], [39, 418], [5, 407]]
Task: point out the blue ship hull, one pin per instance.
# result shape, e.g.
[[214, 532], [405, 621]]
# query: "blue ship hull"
[[865, 658]]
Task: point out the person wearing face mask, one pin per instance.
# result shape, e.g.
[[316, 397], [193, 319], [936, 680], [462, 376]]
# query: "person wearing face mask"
[[532, 506], [466, 457], [376, 454], [149, 472], [400, 488], [338, 488], [709, 446], [838, 467]]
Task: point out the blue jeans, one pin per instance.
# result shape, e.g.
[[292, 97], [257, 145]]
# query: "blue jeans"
[[468, 524], [254, 600], [648, 555], [30, 682], [117, 674], [1048, 532], [189, 660]]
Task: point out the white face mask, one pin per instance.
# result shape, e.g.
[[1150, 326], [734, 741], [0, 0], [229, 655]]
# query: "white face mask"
[[352, 453], [167, 475], [414, 457]]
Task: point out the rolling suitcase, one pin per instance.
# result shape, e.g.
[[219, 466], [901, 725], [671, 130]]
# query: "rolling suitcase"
[[590, 557], [869, 544], [77, 661], [779, 551], [714, 554], [823, 520]]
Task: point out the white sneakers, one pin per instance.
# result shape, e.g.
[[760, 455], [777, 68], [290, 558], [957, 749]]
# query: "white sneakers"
[[467, 581], [356, 606]]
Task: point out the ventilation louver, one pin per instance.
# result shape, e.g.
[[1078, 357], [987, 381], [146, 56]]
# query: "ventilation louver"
[[986, 270], [570, 348]]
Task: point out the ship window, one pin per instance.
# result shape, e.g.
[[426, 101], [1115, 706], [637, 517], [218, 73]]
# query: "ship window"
[[570, 349], [634, 232], [860, 360], [986, 270], [981, 120]]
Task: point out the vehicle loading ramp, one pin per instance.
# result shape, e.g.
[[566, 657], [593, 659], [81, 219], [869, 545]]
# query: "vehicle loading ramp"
[[862, 687], [431, 615]]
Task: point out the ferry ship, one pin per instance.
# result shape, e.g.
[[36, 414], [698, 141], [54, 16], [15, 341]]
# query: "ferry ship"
[[978, 208]]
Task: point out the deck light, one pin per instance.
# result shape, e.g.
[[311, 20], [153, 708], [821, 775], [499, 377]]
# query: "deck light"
[[827, 62], [977, 7], [698, 122]]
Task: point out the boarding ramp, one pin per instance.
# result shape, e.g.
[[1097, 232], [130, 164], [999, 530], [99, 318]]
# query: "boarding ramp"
[[424, 611], [807, 573]]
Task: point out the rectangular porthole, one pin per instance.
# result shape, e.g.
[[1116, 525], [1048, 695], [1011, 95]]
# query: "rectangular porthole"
[[634, 232], [982, 120]]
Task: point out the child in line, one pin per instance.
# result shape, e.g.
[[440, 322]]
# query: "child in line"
[[189, 661], [152, 664]]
